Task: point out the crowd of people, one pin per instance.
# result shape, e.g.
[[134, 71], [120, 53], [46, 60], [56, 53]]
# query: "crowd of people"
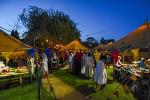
[[88, 65], [81, 64]]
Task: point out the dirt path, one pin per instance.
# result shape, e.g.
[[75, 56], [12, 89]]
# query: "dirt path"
[[62, 90]]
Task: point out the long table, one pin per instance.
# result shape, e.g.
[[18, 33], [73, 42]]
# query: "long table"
[[8, 78], [139, 84]]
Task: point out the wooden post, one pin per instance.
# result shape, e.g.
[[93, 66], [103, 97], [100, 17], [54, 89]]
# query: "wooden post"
[[21, 81]]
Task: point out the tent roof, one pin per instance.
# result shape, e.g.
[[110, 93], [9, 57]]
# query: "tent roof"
[[139, 38], [74, 45], [100, 46], [14, 55], [9, 43], [109, 45]]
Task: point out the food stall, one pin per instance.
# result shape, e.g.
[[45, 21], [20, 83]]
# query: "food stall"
[[137, 79], [12, 49], [12, 71], [12, 75]]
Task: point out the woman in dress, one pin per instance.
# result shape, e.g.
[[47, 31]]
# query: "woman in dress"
[[100, 73], [54, 60], [89, 64], [83, 64], [70, 60], [45, 63]]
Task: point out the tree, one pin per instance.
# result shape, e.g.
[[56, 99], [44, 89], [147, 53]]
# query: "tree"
[[15, 34], [102, 41], [91, 42], [48, 24], [106, 41]]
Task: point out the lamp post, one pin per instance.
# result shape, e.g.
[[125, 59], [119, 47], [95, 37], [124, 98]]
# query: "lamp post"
[[39, 81], [37, 45], [46, 43], [90, 44]]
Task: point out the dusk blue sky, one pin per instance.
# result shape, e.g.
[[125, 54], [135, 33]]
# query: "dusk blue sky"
[[100, 18]]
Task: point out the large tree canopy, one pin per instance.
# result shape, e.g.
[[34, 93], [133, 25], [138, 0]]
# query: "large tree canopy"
[[48, 24], [91, 42]]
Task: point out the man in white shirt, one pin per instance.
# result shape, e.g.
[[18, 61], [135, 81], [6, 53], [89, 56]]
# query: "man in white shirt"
[[117, 69]]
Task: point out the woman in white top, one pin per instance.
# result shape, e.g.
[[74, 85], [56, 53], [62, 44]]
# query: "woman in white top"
[[45, 63], [83, 64], [117, 69], [89, 64], [70, 60], [100, 73]]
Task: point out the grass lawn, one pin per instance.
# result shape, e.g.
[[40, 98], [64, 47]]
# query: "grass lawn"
[[87, 86], [27, 92]]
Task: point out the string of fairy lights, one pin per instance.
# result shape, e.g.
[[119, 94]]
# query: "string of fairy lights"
[[105, 31], [4, 29]]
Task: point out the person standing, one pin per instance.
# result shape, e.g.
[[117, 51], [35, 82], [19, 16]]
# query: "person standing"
[[77, 63], [70, 60], [100, 73], [61, 61], [89, 63], [117, 68], [83, 64], [108, 61], [45, 63], [97, 55], [142, 64], [32, 65], [66, 58], [54, 60]]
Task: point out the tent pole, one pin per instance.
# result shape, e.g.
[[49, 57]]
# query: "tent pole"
[[123, 56]]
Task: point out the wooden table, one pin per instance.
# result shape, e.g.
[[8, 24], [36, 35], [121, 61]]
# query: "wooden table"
[[9, 76]]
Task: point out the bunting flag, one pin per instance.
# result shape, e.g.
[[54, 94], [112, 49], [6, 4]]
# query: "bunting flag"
[[97, 56], [136, 53], [114, 55], [31, 52], [41, 71], [48, 52]]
